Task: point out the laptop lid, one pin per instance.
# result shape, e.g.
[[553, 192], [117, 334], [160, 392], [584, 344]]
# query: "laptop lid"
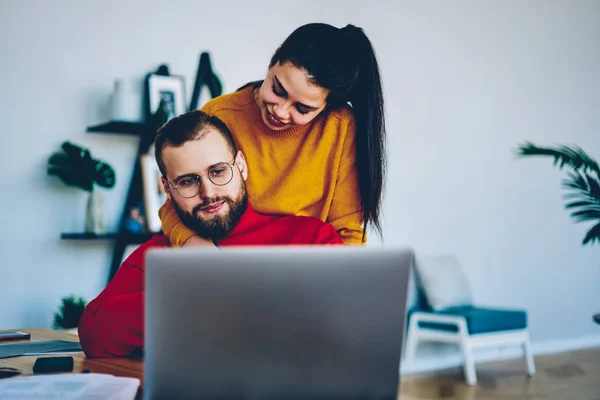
[[275, 322]]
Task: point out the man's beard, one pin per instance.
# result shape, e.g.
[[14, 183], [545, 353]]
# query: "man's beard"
[[219, 226]]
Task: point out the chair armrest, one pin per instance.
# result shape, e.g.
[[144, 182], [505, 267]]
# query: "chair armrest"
[[420, 316]]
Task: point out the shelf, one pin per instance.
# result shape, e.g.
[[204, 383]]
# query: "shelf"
[[120, 128], [87, 236], [127, 237]]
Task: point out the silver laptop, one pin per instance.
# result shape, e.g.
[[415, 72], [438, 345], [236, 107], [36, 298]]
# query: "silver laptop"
[[275, 322]]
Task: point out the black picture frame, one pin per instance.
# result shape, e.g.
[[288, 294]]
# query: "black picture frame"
[[167, 87]]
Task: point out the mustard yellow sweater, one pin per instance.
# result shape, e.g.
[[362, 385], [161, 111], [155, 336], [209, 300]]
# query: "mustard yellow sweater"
[[304, 170]]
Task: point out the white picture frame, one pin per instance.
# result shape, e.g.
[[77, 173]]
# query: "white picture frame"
[[170, 88], [153, 190]]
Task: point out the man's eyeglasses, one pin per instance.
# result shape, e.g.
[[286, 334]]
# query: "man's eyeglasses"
[[189, 186]]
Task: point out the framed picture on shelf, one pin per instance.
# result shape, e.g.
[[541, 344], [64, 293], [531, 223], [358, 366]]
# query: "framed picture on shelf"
[[169, 88], [154, 194]]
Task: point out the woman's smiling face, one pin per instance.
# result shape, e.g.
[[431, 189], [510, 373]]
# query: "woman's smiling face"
[[289, 98]]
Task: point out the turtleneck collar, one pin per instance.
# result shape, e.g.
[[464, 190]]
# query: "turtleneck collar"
[[250, 220]]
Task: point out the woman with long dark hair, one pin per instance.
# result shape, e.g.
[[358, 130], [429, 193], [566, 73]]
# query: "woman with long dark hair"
[[313, 133]]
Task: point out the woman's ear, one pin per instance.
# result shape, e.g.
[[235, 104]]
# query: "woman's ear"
[[240, 162]]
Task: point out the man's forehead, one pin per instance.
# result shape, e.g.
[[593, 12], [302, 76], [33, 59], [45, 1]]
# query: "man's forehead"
[[195, 156]]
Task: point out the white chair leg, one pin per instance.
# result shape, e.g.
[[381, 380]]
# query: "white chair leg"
[[412, 341], [529, 357], [469, 363]]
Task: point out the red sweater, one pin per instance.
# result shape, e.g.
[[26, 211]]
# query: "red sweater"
[[113, 323]]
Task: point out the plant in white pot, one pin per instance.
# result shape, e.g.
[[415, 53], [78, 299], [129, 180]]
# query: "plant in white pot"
[[69, 314], [76, 167]]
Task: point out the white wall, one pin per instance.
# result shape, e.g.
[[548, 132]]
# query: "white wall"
[[466, 81]]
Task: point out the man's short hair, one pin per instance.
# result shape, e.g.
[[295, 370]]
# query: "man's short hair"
[[192, 125]]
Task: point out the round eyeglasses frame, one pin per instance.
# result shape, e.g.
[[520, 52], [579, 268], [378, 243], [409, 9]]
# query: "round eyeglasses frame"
[[199, 180]]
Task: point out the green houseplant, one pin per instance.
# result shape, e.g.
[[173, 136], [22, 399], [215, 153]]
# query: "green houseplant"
[[75, 166], [69, 314], [581, 185]]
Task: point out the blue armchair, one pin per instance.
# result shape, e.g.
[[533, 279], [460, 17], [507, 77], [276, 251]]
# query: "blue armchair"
[[435, 317]]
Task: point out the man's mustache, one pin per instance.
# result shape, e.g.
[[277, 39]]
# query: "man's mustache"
[[206, 203]]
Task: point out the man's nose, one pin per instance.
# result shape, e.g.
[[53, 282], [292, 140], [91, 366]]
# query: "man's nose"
[[207, 188]]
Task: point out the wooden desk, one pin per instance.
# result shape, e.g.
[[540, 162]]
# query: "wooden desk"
[[126, 367]]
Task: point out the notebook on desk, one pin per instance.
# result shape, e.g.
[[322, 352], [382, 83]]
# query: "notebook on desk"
[[69, 387], [46, 347], [275, 323]]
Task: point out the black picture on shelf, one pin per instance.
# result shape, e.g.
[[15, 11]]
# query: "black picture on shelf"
[[169, 98], [170, 88]]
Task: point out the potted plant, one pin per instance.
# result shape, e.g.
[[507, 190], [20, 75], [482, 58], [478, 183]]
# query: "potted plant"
[[75, 166], [69, 314]]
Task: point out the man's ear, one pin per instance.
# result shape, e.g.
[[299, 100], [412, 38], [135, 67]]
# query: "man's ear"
[[240, 162], [166, 187]]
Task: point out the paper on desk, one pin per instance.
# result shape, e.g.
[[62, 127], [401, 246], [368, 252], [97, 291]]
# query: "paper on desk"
[[45, 347], [68, 387]]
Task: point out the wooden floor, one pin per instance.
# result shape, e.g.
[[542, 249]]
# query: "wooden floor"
[[565, 376]]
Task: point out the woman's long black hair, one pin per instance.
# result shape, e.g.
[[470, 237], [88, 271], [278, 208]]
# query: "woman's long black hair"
[[343, 61]]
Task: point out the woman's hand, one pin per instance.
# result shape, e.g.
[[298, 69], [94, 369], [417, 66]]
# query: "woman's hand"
[[198, 241]]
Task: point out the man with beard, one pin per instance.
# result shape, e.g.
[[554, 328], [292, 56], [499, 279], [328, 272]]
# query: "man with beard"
[[204, 175]]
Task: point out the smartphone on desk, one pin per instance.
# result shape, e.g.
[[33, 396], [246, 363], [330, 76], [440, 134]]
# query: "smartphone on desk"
[[44, 365], [14, 336]]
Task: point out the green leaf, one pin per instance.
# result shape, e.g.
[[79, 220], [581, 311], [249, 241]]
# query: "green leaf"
[[582, 182], [60, 159], [583, 203], [593, 235], [76, 167], [574, 195], [576, 180], [583, 196], [69, 313], [70, 178], [594, 186], [73, 151], [586, 215], [564, 156], [104, 175]]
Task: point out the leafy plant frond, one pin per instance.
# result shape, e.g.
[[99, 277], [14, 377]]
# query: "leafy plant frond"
[[585, 215], [59, 160], [581, 185], [583, 193], [593, 235], [76, 167], [104, 175], [594, 186], [583, 203], [564, 156], [70, 313]]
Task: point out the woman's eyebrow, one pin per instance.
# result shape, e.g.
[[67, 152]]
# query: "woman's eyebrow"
[[280, 85], [285, 92]]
